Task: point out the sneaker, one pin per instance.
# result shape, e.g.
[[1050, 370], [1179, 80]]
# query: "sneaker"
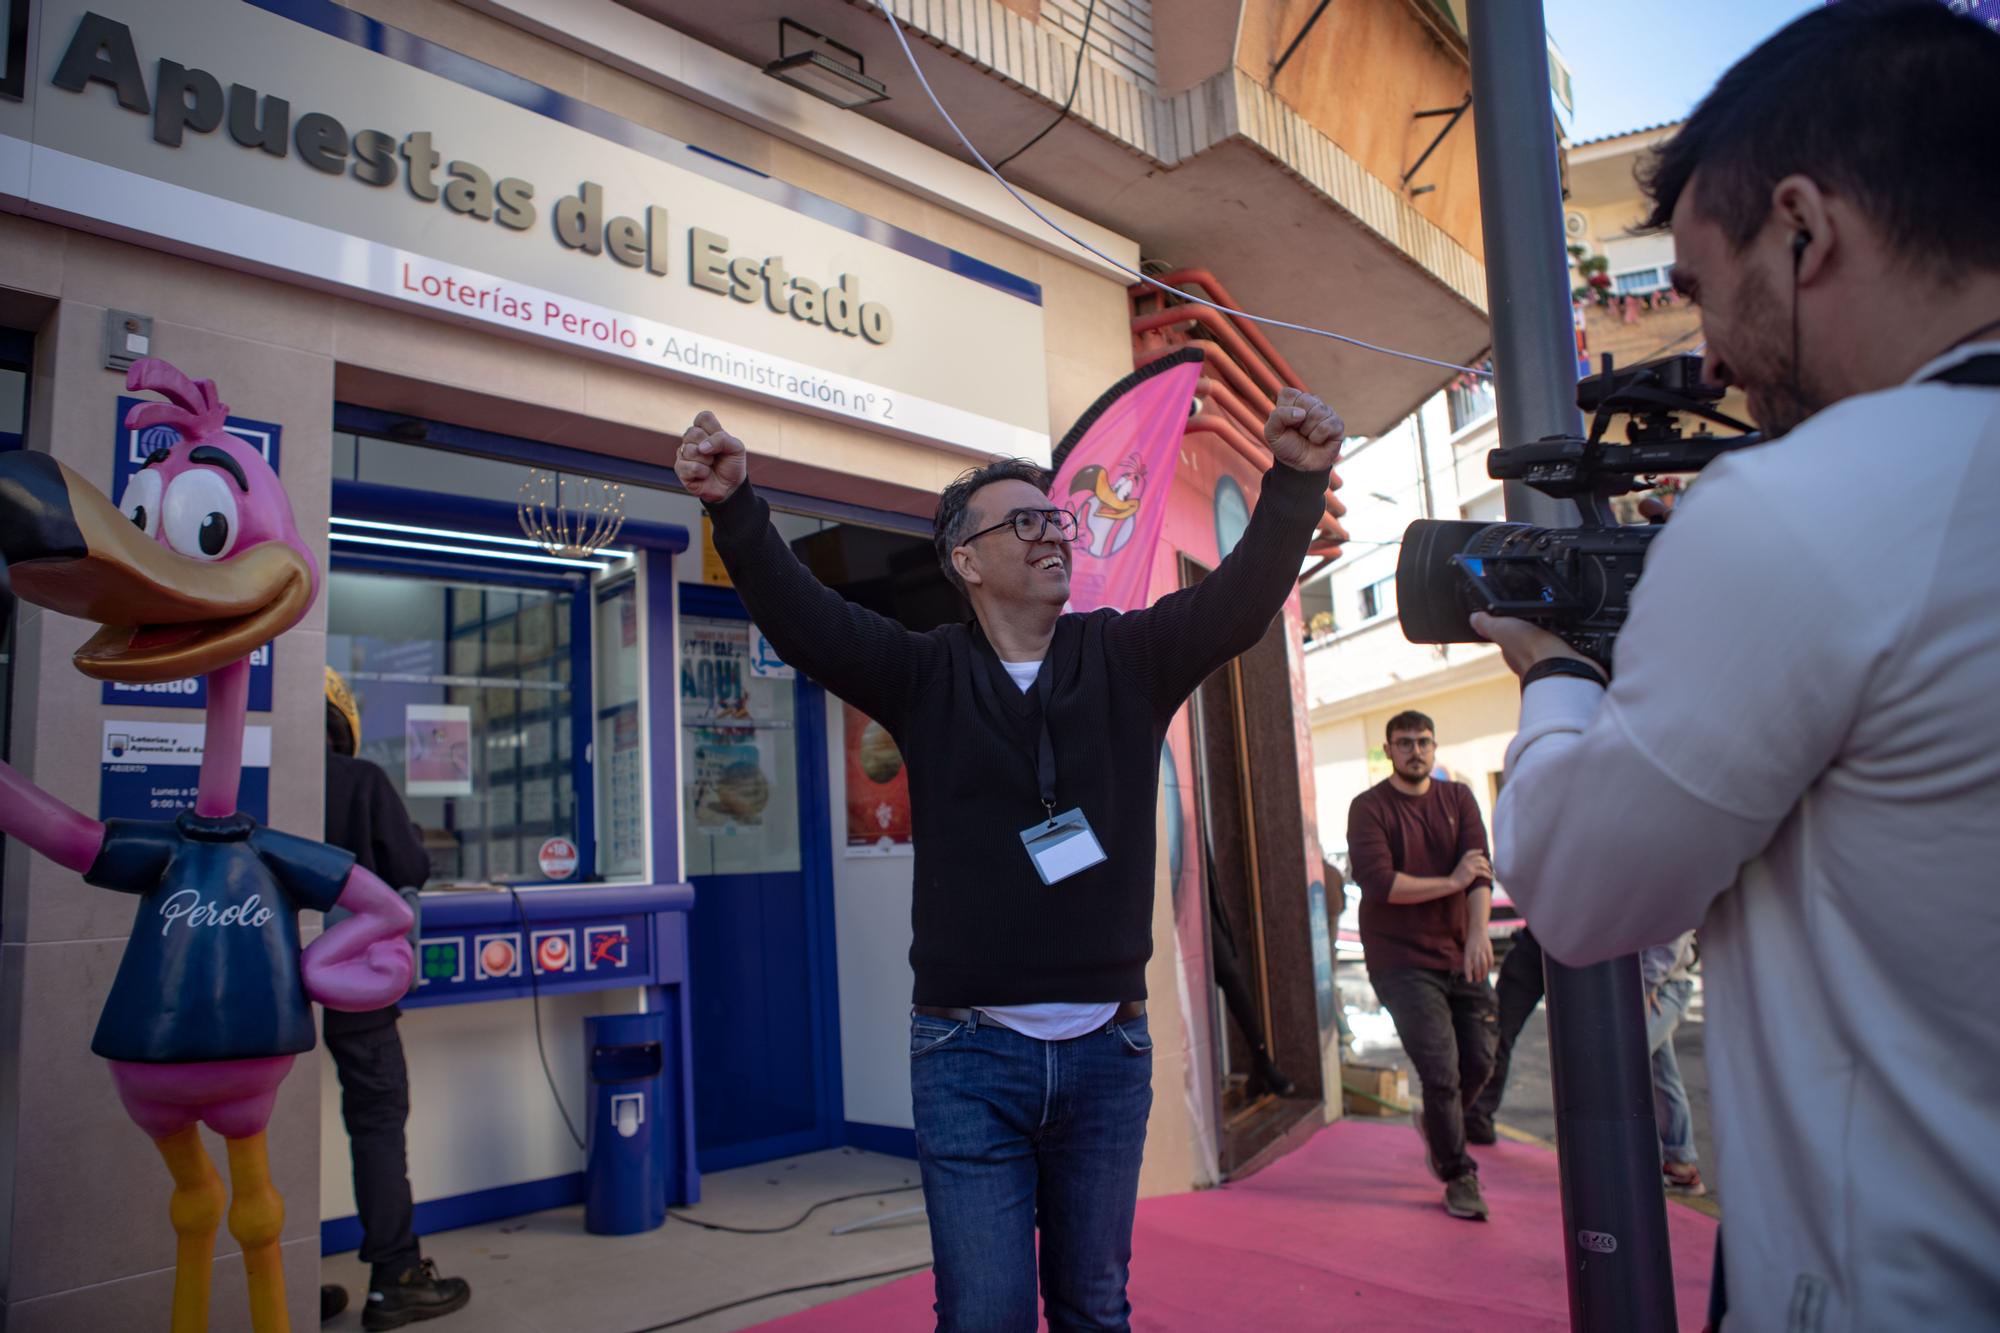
[[1461, 1198], [332, 1300], [1479, 1130], [418, 1294], [1682, 1178]]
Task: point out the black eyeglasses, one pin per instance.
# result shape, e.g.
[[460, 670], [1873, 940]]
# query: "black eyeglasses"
[[1032, 525]]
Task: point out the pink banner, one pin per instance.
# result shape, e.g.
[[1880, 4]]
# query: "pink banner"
[[1113, 471]]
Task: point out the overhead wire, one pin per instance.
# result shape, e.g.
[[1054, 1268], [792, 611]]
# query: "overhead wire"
[[1075, 82], [910, 55]]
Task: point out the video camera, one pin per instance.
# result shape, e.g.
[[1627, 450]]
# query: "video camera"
[[1576, 582]]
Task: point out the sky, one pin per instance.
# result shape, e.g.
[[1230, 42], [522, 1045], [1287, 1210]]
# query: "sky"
[[1646, 64]]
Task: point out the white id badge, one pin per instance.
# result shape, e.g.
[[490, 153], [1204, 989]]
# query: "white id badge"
[[1062, 846]]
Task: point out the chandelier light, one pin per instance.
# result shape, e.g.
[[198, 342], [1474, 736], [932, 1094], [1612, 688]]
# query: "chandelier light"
[[570, 516]]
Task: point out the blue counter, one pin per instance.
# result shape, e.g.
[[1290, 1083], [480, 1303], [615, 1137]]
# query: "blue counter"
[[542, 942]]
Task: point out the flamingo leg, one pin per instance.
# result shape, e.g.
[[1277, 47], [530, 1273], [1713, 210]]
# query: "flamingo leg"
[[257, 1220], [196, 1210]]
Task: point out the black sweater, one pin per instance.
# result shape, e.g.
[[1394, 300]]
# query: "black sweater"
[[986, 930]]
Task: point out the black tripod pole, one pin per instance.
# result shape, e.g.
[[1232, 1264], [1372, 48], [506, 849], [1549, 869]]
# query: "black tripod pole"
[[1614, 1207]]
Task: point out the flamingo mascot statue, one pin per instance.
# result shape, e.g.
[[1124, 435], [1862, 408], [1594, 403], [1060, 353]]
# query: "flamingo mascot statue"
[[199, 564]]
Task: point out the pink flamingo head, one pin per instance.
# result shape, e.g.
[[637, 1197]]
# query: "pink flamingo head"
[[198, 564]]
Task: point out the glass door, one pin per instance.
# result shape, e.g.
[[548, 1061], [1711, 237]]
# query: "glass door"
[[754, 823]]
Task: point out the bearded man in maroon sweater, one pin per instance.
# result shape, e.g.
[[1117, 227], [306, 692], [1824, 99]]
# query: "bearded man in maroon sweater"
[[1418, 850]]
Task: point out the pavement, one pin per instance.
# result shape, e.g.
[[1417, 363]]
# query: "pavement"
[[1529, 1103]]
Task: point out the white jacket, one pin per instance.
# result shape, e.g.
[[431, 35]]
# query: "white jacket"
[[1800, 753]]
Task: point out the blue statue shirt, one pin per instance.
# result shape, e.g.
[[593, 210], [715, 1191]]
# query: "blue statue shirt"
[[212, 969]]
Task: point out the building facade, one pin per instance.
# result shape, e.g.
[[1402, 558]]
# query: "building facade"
[[446, 260]]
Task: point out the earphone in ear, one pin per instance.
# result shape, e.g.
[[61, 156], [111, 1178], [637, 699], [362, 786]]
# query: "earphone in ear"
[[1800, 240]]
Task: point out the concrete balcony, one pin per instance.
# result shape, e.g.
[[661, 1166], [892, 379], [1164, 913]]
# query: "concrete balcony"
[[1182, 150]]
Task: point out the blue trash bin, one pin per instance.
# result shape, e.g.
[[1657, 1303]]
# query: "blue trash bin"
[[627, 1151]]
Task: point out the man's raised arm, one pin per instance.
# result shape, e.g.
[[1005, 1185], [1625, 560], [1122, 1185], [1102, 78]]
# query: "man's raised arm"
[[1173, 645], [863, 657]]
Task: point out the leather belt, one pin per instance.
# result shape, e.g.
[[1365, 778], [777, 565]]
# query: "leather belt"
[[1127, 1011]]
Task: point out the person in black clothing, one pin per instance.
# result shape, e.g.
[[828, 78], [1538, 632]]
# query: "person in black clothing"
[[1265, 1076], [1520, 991], [1032, 740], [365, 816]]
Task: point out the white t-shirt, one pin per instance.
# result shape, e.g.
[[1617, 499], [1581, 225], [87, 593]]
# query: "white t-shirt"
[[1800, 753], [1047, 1022]]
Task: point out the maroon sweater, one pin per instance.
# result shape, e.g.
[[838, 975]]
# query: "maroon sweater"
[[1424, 836]]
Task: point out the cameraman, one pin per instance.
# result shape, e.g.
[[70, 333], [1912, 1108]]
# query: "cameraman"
[[1801, 751]]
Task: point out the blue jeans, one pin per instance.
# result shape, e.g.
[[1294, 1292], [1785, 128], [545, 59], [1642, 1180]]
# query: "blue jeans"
[[1015, 1134], [1670, 1098]]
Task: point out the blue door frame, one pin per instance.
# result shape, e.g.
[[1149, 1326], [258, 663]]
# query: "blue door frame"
[[722, 939]]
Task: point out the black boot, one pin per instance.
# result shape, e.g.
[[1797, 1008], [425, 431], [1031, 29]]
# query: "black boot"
[[1269, 1074], [332, 1300], [418, 1293]]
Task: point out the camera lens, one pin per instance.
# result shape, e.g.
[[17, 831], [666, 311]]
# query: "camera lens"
[[1430, 594]]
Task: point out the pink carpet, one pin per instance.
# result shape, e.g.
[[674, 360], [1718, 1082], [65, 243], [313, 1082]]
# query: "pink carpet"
[[1346, 1233]]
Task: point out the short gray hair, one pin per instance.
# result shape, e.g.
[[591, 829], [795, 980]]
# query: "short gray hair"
[[954, 508]]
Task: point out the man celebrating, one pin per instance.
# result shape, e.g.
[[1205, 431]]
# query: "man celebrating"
[[1800, 752], [1030, 1062], [1418, 848]]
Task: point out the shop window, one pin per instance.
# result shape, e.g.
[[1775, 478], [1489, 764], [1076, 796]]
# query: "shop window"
[[466, 693], [620, 757]]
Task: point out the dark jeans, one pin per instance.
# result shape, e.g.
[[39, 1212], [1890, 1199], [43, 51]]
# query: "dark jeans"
[[1016, 1134], [1521, 988], [374, 1103], [1446, 1024]]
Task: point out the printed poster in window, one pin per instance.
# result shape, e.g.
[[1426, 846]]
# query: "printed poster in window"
[[715, 672], [731, 784], [437, 756], [878, 790]]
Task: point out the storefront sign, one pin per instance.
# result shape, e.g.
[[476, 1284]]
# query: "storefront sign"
[[151, 770], [130, 451], [296, 136]]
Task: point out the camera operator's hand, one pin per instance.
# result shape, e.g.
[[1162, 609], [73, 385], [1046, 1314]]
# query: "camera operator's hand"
[[1478, 957], [711, 462], [1523, 644], [1303, 432], [1473, 865]]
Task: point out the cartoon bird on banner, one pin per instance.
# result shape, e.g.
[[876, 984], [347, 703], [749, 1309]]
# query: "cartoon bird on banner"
[[197, 566], [1109, 505]]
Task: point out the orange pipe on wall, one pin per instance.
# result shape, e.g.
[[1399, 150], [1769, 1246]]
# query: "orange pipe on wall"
[[1212, 287], [1224, 332], [1218, 393], [1257, 456], [1218, 358]]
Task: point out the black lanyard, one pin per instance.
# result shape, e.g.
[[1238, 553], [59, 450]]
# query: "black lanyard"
[[1045, 758]]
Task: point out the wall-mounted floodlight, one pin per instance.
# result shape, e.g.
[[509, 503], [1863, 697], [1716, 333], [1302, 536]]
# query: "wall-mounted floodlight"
[[813, 70]]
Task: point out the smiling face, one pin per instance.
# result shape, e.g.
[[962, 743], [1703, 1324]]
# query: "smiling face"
[[999, 566]]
